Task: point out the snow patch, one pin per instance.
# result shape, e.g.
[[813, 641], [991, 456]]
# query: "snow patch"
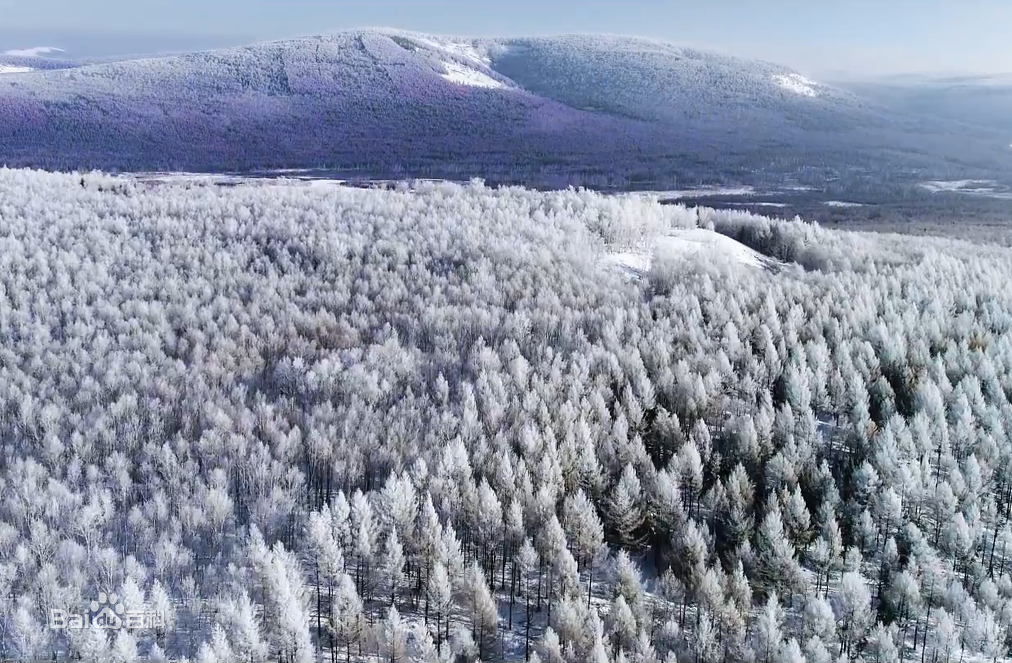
[[964, 186], [797, 84], [326, 184], [633, 263], [461, 75], [699, 242], [461, 49], [704, 192], [33, 52], [467, 51], [841, 203], [8, 69], [982, 188], [284, 178]]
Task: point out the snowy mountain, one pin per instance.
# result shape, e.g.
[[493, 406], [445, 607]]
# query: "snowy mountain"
[[572, 109]]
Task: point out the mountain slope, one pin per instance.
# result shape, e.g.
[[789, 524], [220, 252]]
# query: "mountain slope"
[[353, 99], [657, 81], [600, 110]]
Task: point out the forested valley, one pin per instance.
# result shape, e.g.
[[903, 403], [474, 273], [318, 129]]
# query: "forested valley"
[[321, 423]]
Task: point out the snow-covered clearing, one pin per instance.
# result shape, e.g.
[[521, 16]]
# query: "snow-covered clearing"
[[797, 84], [634, 263], [187, 178], [461, 75], [461, 49], [289, 177], [325, 183], [704, 192], [841, 203], [962, 186], [697, 242], [10, 69], [983, 188]]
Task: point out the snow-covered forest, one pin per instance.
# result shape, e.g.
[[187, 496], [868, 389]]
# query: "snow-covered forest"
[[311, 423]]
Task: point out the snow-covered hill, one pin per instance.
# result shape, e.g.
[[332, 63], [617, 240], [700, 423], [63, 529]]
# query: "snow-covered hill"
[[659, 81], [574, 109]]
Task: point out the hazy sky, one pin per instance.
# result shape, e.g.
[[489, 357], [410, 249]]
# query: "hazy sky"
[[815, 36]]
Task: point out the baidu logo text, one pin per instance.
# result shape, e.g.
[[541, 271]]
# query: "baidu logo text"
[[106, 613]]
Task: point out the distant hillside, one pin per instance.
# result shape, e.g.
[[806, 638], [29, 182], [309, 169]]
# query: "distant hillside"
[[575, 109], [981, 100], [26, 63]]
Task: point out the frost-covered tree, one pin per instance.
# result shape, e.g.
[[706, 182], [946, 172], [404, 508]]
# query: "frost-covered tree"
[[264, 412], [853, 611]]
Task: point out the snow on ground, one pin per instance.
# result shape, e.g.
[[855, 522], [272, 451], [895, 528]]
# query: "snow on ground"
[[468, 51], [464, 50], [698, 241], [461, 75], [841, 203], [704, 192], [759, 204], [797, 84], [188, 178], [9, 69], [633, 263], [636, 262], [33, 52], [962, 186], [292, 177], [984, 188]]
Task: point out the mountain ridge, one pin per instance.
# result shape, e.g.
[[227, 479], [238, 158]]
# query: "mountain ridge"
[[596, 109]]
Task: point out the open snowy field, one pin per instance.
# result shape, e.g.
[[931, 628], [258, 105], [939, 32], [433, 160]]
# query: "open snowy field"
[[432, 422]]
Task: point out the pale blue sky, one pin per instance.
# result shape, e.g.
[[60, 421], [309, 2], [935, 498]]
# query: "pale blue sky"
[[815, 36]]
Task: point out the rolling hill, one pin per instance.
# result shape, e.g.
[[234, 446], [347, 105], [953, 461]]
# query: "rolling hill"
[[596, 110]]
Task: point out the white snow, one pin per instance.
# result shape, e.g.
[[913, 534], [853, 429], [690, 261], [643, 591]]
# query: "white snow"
[[759, 204], [964, 186], [177, 178], [686, 242], [983, 188], [699, 240], [461, 49], [634, 263], [9, 69], [841, 203], [797, 84], [186, 178], [461, 75], [704, 192], [33, 52], [467, 51], [325, 183]]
